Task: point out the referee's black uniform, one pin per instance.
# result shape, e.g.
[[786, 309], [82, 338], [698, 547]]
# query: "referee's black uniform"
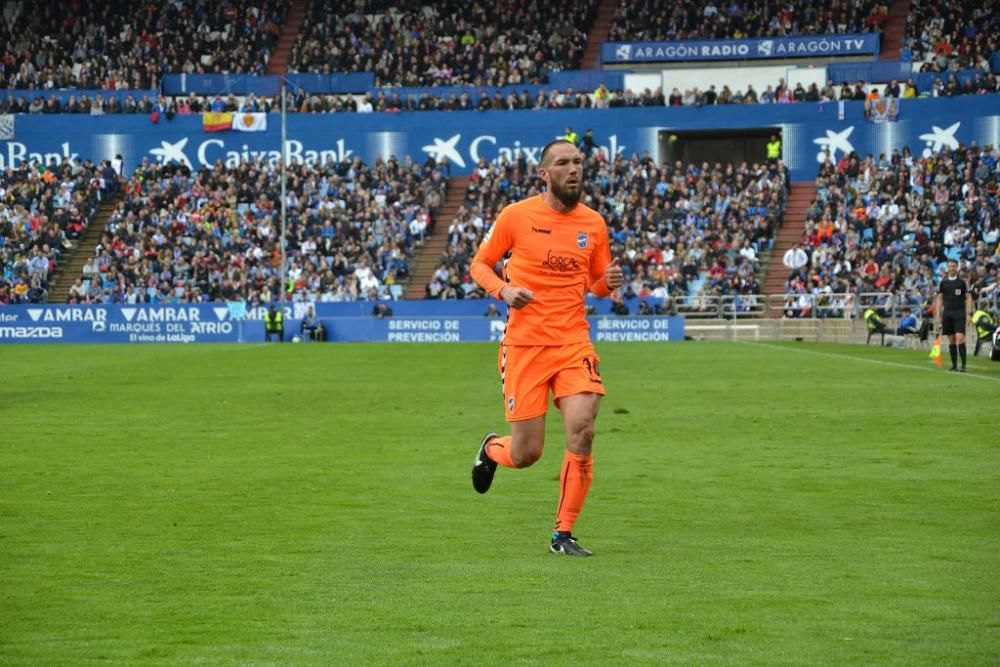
[[954, 296]]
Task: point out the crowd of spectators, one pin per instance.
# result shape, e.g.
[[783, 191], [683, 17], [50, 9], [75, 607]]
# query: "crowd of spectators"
[[454, 42], [782, 93], [84, 103], [948, 85], [890, 224], [951, 36], [181, 237], [114, 44], [668, 20], [679, 230], [43, 211]]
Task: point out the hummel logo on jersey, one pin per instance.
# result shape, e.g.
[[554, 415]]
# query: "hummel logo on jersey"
[[540, 230]]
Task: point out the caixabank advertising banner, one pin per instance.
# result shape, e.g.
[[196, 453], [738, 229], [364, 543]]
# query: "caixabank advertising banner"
[[809, 132]]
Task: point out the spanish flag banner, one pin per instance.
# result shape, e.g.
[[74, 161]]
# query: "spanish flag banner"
[[216, 122], [936, 351], [250, 122]]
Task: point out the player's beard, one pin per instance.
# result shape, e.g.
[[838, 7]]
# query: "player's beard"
[[568, 196]]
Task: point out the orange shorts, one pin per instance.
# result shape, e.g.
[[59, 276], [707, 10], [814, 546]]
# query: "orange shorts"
[[528, 372]]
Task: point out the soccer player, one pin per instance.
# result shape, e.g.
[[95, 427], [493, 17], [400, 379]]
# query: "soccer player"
[[953, 312], [554, 251]]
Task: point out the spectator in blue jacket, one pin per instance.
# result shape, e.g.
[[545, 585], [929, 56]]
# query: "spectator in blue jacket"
[[907, 323]]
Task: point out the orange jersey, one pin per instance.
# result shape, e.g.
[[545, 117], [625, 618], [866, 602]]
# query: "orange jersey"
[[558, 256]]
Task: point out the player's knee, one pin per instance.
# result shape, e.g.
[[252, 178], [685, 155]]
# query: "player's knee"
[[525, 457], [581, 439]]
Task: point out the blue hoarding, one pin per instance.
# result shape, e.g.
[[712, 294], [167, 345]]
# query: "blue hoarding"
[[464, 137], [805, 46], [214, 323]]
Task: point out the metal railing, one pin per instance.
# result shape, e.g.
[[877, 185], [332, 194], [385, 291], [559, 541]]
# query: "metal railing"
[[844, 305]]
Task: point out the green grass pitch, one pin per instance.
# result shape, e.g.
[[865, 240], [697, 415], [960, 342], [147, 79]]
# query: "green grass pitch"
[[769, 504]]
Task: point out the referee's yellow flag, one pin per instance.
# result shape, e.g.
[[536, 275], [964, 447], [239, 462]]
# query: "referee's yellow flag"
[[936, 351]]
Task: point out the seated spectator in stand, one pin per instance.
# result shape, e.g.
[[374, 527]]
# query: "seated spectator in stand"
[[381, 310], [907, 323], [311, 327], [619, 307]]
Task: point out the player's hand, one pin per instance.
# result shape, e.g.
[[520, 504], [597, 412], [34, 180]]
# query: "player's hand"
[[516, 297], [613, 275]]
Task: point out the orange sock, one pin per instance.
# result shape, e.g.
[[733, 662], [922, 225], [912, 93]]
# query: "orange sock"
[[499, 450], [574, 483]]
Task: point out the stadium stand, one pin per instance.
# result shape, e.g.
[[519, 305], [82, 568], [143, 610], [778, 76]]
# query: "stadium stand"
[[213, 235], [110, 44], [87, 46], [43, 211], [90, 45], [889, 224], [453, 42], [682, 230], [663, 20]]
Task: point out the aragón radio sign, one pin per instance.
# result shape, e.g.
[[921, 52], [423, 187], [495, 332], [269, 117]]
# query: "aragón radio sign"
[[802, 46]]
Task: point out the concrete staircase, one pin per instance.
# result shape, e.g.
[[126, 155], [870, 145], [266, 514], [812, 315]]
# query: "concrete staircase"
[[800, 196], [598, 34], [72, 266], [430, 255], [895, 30], [278, 63]]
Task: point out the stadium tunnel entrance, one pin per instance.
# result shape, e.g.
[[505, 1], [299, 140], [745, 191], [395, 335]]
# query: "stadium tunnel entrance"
[[725, 146]]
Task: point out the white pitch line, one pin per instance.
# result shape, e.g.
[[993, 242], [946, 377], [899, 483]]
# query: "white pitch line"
[[773, 346]]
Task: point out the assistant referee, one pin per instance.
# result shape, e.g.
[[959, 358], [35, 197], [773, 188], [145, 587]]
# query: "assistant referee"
[[953, 312]]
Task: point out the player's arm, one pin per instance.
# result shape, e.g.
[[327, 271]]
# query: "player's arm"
[[969, 309], [497, 242], [605, 274]]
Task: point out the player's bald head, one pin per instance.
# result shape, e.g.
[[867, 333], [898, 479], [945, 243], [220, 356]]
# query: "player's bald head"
[[550, 149]]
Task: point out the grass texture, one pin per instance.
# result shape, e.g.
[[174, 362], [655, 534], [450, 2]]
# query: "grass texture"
[[770, 504]]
